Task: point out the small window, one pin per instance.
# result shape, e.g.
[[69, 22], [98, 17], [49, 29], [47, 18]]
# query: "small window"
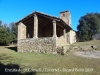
[[63, 15]]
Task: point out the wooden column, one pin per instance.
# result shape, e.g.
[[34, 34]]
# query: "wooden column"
[[35, 26]]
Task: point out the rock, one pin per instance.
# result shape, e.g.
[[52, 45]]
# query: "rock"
[[61, 50], [76, 47], [86, 48], [54, 52], [95, 47], [70, 48]]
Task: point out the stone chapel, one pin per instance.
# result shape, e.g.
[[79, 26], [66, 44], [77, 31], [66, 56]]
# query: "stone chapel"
[[40, 32]]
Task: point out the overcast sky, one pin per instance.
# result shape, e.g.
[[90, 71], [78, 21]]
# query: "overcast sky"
[[14, 10]]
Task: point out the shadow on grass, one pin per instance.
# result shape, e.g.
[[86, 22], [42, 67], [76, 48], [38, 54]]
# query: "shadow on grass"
[[13, 48], [13, 69]]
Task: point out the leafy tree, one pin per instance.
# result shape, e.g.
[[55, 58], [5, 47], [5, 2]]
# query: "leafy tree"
[[88, 26], [14, 29], [5, 35]]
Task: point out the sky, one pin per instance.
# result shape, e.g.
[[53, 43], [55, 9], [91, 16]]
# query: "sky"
[[14, 10]]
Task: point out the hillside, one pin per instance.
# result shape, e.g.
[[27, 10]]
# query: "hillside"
[[48, 64]]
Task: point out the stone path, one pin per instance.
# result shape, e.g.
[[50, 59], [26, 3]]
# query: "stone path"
[[93, 54]]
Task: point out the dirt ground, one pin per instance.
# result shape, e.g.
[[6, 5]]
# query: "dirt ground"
[[93, 54]]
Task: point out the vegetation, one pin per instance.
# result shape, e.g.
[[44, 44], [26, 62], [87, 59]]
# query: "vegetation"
[[51, 64], [14, 29], [7, 34], [88, 26]]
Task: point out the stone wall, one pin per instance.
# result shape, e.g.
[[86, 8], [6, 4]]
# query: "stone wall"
[[61, 41], [43, 45], [46, 44], [72, 36], [61, 44], [67, 38], [21, 31]]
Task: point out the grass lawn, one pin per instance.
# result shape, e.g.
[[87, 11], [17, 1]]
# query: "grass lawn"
[[49, 64], [90, 43]]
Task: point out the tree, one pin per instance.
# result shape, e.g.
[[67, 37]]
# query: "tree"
[[5, 34], [88, 26], [0, 23], [14, 29]]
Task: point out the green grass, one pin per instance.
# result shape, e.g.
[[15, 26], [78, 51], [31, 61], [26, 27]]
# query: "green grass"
[[93, 42], [48, 62]]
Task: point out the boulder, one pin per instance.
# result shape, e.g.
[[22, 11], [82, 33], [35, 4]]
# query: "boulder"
[[95, 47]]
